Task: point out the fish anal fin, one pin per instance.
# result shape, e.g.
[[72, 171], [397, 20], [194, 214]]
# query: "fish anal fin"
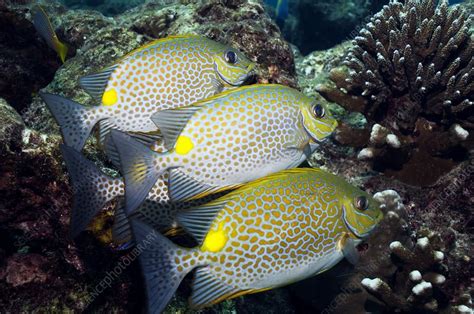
[[182, 187], [208, 289]]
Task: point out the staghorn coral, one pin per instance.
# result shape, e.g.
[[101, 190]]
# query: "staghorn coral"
[[411, 71]]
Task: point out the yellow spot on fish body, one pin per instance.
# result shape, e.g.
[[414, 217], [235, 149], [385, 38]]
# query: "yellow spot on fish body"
[[215, 240], [183, 145], [110, 97]]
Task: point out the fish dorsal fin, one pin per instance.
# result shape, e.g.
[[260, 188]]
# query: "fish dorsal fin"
[[155, 42], [96, 83], [198, 220], [171, 123], [183, 188], [208, 289]]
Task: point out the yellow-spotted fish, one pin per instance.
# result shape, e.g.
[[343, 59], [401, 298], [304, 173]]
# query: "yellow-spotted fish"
[[92, 190], [45, 29], [166, 73], [224, 141], [269, 233]]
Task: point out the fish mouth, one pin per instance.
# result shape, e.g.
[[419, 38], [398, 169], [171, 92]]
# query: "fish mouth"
[[244, 79], [358, 235]]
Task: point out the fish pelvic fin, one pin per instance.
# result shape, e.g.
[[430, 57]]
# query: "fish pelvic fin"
[[138, 168], [161, 269], [92, 189], [76, 121], [43, 26]]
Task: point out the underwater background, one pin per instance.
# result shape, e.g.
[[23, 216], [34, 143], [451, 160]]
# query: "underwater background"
[[407, 133]]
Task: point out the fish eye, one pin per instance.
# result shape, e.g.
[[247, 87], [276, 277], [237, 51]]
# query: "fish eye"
[[361, 203], [230, 57], [319, 111]]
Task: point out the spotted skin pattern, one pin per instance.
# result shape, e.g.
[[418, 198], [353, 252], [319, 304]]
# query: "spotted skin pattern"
[[272, 232], [168, 73], [245, 134]]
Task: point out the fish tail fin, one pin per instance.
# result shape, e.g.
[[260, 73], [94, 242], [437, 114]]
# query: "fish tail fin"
[[43, 26], [158, 260], [138, 169], [76, 121], [91, 189], [62, 51]]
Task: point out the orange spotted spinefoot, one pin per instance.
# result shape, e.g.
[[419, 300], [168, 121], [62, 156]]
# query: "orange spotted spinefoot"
[[224, 141], [166, 73], [269, 233]]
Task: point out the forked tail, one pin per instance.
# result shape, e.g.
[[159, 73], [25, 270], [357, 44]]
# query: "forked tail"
[[138, 168], [91, 189], [76, 121]]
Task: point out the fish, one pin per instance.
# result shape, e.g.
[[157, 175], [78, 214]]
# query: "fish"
[[92, 190], [281, 8], [224, 141], [43, 26], [166, 73], [269, 233]]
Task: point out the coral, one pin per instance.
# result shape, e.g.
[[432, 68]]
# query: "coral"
[[419, 280], [39, 263], [410, 70]]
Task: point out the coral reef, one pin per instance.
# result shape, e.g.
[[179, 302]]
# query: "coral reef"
[[41, 269], [411, 71], [26, 64]]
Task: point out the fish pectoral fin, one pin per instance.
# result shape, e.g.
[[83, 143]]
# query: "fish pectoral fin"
[[171, 123], [208, 289], [197, 221], [183, 188], [95, 84], [349, 249]]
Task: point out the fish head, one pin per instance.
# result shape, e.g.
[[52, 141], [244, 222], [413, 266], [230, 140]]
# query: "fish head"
[[360, 211], [317, 121], [232, 66]]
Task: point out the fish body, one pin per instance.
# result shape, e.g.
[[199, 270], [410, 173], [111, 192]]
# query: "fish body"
[[269, 233], [166, 73], [43, 26], [222, 142]]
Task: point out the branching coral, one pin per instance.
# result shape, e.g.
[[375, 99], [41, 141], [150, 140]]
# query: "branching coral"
[[411, 71], [411, 60], [417, 284]]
